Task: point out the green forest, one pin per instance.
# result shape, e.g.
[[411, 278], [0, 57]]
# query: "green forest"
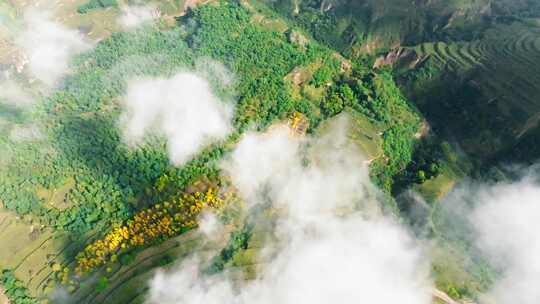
[[104, 216], [111, 182]]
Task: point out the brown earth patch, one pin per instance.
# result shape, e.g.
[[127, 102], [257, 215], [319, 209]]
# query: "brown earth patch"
[[3, 297]]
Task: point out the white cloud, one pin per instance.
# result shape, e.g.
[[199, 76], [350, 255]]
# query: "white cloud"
[[48, 46], [327, 250], [12, 94], [507, 223], [134, 16], [210, 225], [183, 109], [257, 158]]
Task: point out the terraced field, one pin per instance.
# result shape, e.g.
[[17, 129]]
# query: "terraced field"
[[128, 283], [37, 250], [503, 68], [96, 24]]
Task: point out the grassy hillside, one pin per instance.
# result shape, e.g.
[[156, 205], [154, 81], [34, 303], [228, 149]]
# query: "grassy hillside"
[[470, 66], [365, 26], [79, 182], [454, 88]]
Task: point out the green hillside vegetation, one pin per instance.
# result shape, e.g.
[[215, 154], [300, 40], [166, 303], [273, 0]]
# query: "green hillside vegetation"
[[94, 4], [368, 26], [469, 66], [80, 179], [435, 91], [81, 119], [14, 289]]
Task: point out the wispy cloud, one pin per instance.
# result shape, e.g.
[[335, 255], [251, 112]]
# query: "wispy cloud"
[[333, 242], [48, 45], [134, 16], [11, 93], [507, 223], [183, 109]]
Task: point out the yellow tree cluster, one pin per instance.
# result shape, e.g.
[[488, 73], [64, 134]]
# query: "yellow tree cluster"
[[298, 123], [161, 221]]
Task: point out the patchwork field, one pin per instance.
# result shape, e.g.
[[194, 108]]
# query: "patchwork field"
[[41, 251], [129, 283], [31, 250]]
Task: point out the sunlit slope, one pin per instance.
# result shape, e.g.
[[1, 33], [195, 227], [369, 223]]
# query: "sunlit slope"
[[79, 180], [35, 253], [484, 55], [366, 26]]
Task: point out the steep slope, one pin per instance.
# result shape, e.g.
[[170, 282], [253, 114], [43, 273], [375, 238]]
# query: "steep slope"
[[366, 26], [484, 93], [470, 66]]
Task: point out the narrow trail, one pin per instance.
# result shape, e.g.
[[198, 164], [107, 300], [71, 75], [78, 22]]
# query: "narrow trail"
[[445, 298], [3, 298]]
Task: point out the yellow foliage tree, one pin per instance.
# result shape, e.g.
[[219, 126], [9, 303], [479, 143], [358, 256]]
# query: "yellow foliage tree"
[[163, 220]]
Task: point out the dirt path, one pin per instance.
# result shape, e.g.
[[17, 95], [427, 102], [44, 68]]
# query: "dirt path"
[[193, 3], [3, 298], [442, 296]]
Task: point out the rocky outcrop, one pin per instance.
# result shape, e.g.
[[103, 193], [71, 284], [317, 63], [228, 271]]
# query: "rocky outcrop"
[[401, 55], [297, 38]]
